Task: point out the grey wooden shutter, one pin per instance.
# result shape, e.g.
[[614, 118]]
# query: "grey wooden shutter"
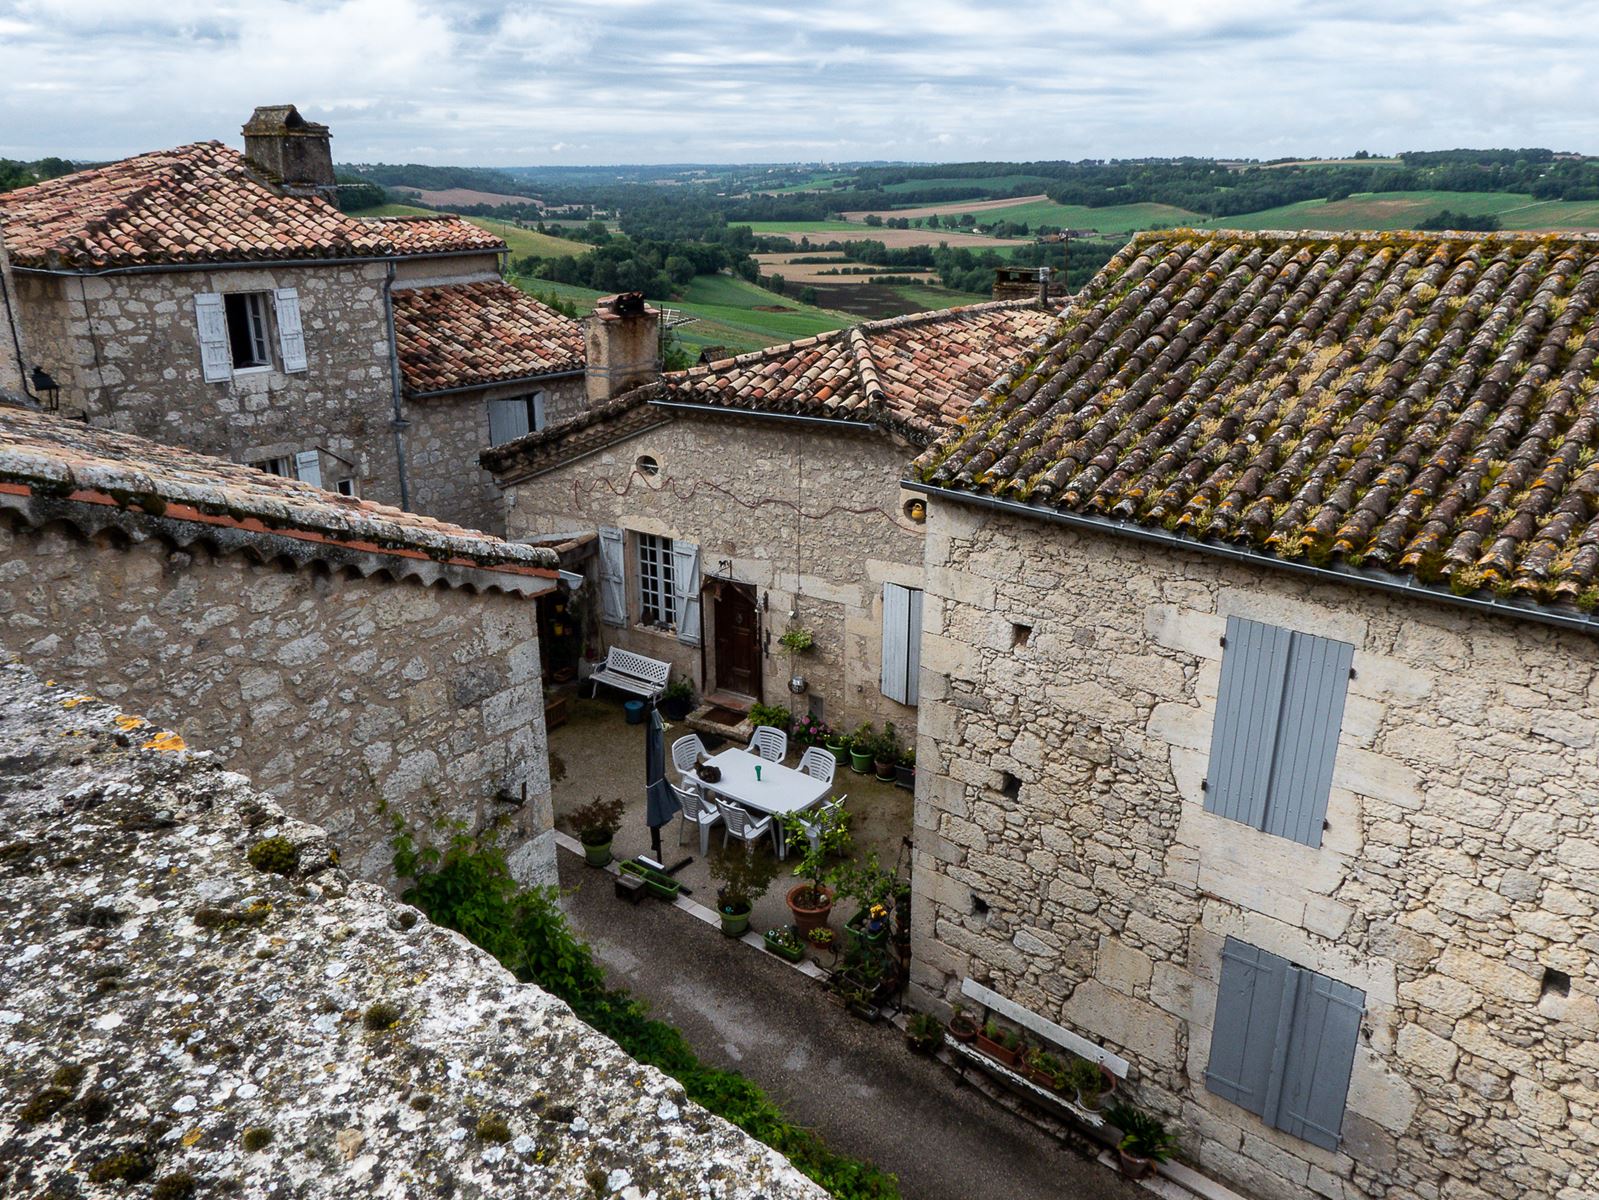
[[1321, 1054], [211, 321], [1278, 714], [1307, 737], [913, 646], [613, 588], [896, 640], [1253, 670], [308, 467], [291, 336], [1249, 1022], [507, 420], [686, 590], [538, 410]]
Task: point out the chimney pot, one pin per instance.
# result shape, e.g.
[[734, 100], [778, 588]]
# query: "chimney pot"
[[295, 152]]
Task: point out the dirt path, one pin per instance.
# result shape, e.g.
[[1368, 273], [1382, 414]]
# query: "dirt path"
[[954, 209]]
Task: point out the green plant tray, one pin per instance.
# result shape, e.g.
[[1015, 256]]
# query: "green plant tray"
[[783, 952], [857, 935], [656, 883]]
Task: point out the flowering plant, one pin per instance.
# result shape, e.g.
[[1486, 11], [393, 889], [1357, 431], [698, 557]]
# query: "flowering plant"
[[821, 936], [810, 731], [876, 918]]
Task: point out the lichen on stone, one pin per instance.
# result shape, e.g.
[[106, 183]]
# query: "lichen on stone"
[[275, 854]]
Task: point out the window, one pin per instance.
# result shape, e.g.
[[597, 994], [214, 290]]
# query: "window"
[[1284, 1042], [247, 332], [1278, 713], [305, 465], [656, 605], [345, 487], [276, 466], [515, 417], [902, 642]]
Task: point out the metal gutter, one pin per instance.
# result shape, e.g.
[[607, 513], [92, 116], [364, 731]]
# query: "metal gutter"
[[399, 424], [494, 383], [721, 410], [1383, 581], [248, 264]]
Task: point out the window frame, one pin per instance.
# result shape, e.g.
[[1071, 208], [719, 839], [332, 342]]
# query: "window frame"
[[281, 465], [534, 406], [254, 331], [652, 554]]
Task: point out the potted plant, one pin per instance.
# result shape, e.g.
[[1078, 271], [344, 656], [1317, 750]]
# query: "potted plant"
[[923, 1033], [1044, 1069], [797, 640], [774, 715], [1145, 1140], [744, 879], [811, 903], [810, 731], [885, 753], [785, 943], [822, 939], [678, 699], [963, 1027], [596, 824], [837, 744], [1000, 1044], [1088, 1081], [860, 748], [657, 883], [905, 769]]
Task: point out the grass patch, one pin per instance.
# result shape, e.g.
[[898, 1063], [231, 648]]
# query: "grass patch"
[[469, 888], [1386, 211], [529, 243]]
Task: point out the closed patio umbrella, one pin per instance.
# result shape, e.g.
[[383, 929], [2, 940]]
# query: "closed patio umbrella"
[[660, 801]]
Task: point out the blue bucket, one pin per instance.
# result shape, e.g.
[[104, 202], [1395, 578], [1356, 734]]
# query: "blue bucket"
[[635, 712]]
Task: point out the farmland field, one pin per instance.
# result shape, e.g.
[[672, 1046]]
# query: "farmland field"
[[445, 197], [1403, 210], [991, 183], [1040, 210], [805, 273], [523, 242], [956, 208]]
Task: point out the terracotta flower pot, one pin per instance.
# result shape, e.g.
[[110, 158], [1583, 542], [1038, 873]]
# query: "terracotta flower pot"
[[963, 1028], [997, 1051], [807, 918], [1133, 1166]]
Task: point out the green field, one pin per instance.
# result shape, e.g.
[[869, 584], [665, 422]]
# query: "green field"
[[395, 210], [1404, 210], [761, 227], [523, 242], [729, 310], [1112, 219], [928, 296]]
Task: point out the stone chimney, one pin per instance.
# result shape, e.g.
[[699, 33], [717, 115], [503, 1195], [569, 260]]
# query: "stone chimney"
[[296, 152], [622, 345], [1027, 283]]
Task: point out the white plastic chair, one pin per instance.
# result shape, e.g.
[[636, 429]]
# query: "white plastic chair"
[[770, 743], [699, 809], [826, 817], [818, 763], [738, 823], [686, 752]]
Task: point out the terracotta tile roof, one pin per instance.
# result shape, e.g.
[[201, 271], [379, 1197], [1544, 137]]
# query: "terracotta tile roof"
[[441, 234], [464, 334], [912, 375], [201, 203], [54, 459], [1422, 404]]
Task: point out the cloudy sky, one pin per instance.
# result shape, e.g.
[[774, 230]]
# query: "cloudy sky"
[[631, 81]]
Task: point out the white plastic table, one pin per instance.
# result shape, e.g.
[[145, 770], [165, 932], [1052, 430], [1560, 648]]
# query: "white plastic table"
[[780, 792]]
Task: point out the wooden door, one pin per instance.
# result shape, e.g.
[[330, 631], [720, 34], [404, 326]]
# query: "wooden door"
[[738, 646]]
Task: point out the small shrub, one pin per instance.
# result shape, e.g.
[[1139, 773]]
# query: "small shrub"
[[774, 715], [276, 855], [597, 821], [44, 1104], [128, 1166], [381, 1016], [493, 1128], [257, 1137], [179, 1186]]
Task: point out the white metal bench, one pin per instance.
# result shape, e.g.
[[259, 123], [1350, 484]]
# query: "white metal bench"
[[634, 673]]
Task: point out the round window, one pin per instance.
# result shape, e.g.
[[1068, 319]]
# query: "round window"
[[647, 465]]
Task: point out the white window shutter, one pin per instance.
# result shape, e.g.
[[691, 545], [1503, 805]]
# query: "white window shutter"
[[896, 640], [538, 411], [308, 467], [291, 336], [613, 590], [212, 323], [686, 591]]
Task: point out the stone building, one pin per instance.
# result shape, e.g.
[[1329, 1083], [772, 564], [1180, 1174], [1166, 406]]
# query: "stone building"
[[1258, 704], [217, 300], [349, 656], [761, 493], [177, 1010]]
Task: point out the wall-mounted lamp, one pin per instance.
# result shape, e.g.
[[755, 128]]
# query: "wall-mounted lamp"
[[48, 390], [724, 567]]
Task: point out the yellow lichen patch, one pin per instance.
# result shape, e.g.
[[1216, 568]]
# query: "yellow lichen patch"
[[193, 1136], [128, 723], [165, 740], [77, 700]]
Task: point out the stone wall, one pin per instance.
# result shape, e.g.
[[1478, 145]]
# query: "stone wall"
[[336, 693], [298, 1034], [126, 352], [446, 435], [807, 515], [1460, 862], [13, 357]]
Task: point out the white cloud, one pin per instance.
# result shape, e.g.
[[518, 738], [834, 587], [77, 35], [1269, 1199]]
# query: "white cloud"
[[638, 80]]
